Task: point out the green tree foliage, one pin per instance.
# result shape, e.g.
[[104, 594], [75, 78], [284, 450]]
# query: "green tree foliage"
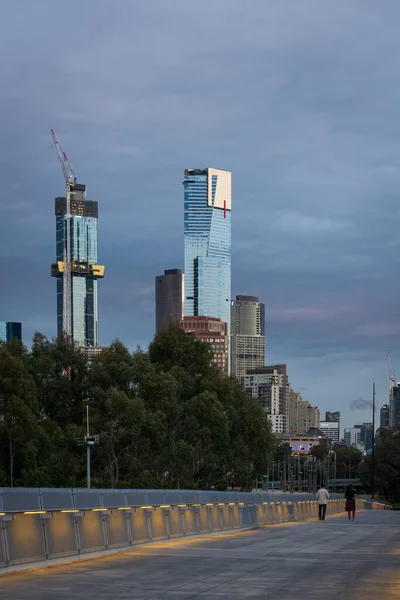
[[166, 418], [387, 466]]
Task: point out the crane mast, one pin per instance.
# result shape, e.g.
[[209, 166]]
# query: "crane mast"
[[69, 177]]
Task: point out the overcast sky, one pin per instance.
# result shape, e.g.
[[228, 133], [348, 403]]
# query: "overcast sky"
[[300, 99]]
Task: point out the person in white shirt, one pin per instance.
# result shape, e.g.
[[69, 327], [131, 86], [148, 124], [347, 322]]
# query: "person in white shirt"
[[322, 499]]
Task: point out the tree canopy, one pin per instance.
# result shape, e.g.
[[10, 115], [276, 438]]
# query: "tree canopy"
[[166, 417]]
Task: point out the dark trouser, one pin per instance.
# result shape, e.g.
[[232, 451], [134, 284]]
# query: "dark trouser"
[[322, 511]]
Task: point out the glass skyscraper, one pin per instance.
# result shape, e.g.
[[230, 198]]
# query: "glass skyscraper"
[[207, 227], [10, 330], [84, 268]]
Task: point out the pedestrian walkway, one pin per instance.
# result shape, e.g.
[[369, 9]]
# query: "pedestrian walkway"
[[315, 560]]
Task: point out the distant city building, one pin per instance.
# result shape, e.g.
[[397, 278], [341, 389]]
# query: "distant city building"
[[352, 437], [85, 271], [247, 335], [303, 444], [270, 385], [366, 435], [213, 331], [207, 231], [394, 412], [384, 415], [301, 415], [331, 430], [333, 417], [92, 351], [10, 330], [169, 298]]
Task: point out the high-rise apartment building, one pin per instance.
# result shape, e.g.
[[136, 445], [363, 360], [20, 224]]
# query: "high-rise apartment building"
[[270, 385], [247, 335], [384, 416], [301, 415], [169, 298], [10, 330], [207, 230], [85, 271], [212, 331]]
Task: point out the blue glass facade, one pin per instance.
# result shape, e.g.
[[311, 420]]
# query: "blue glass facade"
[[84, 268], [207, 230], [10, 330]]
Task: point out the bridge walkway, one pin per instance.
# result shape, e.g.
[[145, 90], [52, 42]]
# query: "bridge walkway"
[[328, 560]]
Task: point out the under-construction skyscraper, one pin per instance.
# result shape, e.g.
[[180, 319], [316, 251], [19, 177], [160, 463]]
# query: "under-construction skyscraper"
[[83, 265]]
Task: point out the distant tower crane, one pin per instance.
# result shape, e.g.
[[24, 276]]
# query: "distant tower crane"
[[70, 180], [392, 383]]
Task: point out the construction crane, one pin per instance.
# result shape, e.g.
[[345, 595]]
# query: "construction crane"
[[392, 383], [70, 180]]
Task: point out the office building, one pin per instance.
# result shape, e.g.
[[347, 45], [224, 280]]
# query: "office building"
[[384, 415], [366, 435], [331, 430], [247, 335], [10, 330], [394, 412], [207, 231], [352, 437], [169, 298], [270, 386], [333, 417], [212, 331], [85, 271]]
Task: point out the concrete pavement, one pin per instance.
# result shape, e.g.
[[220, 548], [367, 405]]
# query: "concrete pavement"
[[327, 560]]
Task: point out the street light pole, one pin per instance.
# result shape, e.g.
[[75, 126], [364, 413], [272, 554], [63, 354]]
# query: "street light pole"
[[373, 444], [87, 448]]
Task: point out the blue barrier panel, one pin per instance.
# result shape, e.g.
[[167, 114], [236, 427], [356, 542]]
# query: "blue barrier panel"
[[20, 499], [56, 499], [113, 498], [87, 498]]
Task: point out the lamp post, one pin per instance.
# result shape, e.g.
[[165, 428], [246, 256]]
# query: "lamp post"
[[89, 440]]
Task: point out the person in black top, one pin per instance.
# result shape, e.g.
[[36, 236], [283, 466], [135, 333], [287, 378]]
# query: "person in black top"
[[350, 496]]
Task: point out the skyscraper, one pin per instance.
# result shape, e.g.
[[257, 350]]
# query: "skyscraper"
[[84, 268], [384, 415], [10, 330], [207, 230], [169, 298], [247, 335]]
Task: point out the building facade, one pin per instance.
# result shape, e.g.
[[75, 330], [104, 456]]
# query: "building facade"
[[269, 385], [85, 271], [207, 234], [169, 298], [366, 435], [352, 437], [331, 430], [10, 330], [212, 331], [247, 335], [333, 417], [384, 415], [301, 415], [394, 411]]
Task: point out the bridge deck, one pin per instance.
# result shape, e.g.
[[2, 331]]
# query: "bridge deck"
[[333, 559]]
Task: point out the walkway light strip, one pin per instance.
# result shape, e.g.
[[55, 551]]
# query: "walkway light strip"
[[148, 507], [182, 505], [99, 509], [165, 506], [125, 508], [196, 505], [71, 510], [35, 512], [2, 514], [232, 504]]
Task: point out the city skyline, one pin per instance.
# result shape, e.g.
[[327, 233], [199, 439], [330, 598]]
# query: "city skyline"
[[310, 138]]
